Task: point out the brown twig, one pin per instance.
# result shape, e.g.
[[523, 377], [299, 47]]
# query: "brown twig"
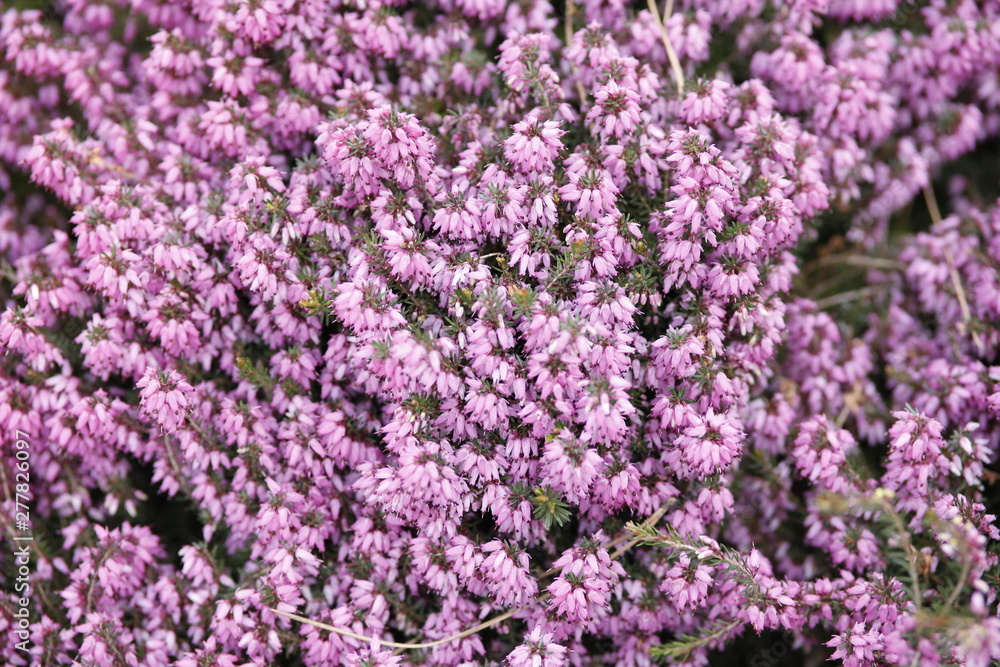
[[568, 33], [653, 519], [846, 297], [857, 260], [675, 62], [410, 645], [649, 523]]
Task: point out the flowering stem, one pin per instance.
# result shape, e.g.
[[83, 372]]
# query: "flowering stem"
[[175, 465], [960, 584], [910, 551], [684, 646], [7, 271], [565, 269], [170, 456]]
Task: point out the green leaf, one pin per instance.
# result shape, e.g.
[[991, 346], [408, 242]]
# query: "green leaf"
[[550, 508]]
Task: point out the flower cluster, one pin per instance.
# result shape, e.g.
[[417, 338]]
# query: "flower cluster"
[[502, 332]]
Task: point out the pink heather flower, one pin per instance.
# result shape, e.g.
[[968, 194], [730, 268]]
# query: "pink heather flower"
[[569, 466], [795, 66], [484, 405], [401, 146], [540, 201], [916, 460], [748, 103], [466, 561], [616, 110], [164, 397], [259, 21], [594, 192], [97, 411], [732, 277], [395, 210], [235, 76], [114, 273], [54, 159], [852, 106], [224, 127], [706, 104], [709, 445], [406, 256], [481, 9], [501, 202], [606, 302], [856, 646], [854, 547], [256, 181], [308, 71], [524, 61], [858, 11], [366, 305], [383, 34], [458, 216], [820, 454], [174, 324], [208, 652], [605, 407], [352, 159], [535, 144], [617, 486], [687, 583], [692, 34], [505, 572], [967, 533], [423, 489], [119, 565], [105, 641], [538, 650], [372, 656], [511, 509], [430, 562], [480, 261], [472, 75], [591, 47], [583, 588], [573, 596], [979, 643], [21, 332], [262, 265], [699, 207], [677, 353], [296, 365]]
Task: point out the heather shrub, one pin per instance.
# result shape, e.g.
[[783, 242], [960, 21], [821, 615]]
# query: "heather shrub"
[[478, 333]]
